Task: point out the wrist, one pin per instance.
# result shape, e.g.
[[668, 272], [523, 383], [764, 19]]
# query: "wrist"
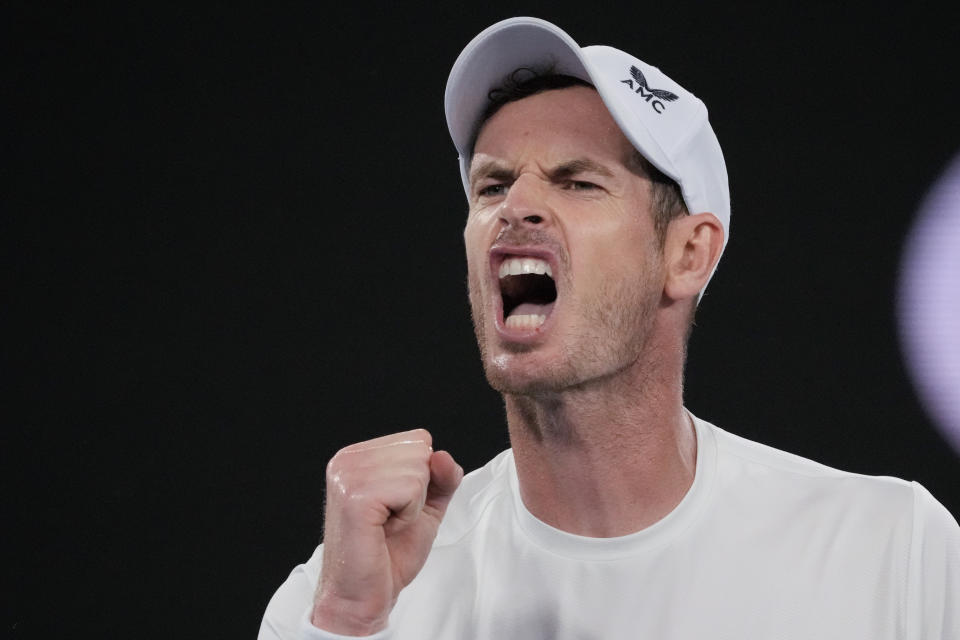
[[347, 618]]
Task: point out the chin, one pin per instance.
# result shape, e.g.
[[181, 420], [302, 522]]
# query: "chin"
[[514, 385], [526, 374]]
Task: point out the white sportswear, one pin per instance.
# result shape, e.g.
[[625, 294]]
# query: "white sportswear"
[[764, 545]]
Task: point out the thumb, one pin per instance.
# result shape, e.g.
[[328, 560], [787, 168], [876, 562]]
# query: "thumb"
[[445, 477]]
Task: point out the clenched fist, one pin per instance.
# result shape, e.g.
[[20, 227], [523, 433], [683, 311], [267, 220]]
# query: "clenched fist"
[[385, 500]]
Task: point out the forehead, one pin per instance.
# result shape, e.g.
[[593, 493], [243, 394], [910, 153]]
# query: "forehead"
[[561, 122]]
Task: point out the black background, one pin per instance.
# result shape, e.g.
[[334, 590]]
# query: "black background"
[[233, 242]]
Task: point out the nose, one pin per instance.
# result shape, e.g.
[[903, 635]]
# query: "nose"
[[525, 204]]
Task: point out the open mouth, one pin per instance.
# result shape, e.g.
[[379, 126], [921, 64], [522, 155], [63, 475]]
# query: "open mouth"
[[528, 292]]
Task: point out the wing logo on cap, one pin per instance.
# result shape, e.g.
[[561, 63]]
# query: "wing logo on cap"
[[652, 97]]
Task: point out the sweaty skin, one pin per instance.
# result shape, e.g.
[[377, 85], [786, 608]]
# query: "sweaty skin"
[[385, 500]]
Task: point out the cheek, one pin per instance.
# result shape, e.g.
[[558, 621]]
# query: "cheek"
[[477, 240], [608, 248], [476, 257], [471, 246]]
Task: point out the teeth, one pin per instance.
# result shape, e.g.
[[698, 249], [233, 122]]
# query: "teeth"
[[519, 266], [531, 321]]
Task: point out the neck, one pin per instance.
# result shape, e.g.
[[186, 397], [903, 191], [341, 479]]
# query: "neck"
[[606, 458]]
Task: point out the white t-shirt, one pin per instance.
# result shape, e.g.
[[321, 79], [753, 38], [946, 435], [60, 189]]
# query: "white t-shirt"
[[764, 545]]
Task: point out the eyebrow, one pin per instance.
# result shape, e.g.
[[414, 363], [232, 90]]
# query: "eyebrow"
[[493, 169], [579, 165], [490, 169]]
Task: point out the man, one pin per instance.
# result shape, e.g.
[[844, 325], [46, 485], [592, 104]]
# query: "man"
[[598, 209]]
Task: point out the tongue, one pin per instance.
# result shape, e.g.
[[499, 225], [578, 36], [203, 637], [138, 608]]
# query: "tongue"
[[528, 308]]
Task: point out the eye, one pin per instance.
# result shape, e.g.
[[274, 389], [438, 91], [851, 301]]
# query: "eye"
[[495, 189], [580, 185]]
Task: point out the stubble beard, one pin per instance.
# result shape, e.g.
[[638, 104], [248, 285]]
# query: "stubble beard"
[[616, 321]]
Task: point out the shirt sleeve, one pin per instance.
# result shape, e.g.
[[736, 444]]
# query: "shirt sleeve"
[[933, 592], [288, 613]]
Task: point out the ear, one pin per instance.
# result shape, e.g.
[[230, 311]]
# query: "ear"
[[691, 250]]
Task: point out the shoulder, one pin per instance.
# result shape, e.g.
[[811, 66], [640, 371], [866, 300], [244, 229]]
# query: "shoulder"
[[821, 491], [479, 492], [935, 530], [739, 459]]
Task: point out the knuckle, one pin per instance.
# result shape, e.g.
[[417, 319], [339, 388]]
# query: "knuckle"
[[420, 436], [335, 464], [341, 472]]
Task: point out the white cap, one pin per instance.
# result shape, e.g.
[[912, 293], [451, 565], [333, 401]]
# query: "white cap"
[[666, 123]]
